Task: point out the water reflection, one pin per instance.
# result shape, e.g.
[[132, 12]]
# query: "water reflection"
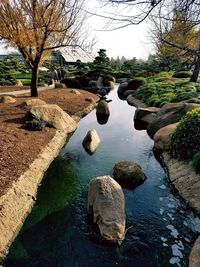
[[102, 118]]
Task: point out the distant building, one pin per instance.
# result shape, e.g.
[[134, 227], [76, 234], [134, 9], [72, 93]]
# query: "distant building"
[[63, 56], [69, 55], [5, 53]]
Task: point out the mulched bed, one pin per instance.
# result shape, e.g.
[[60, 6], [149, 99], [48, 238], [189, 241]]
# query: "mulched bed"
[[19, 147]]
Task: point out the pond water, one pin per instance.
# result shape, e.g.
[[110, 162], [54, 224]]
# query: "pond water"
[[57, 233]]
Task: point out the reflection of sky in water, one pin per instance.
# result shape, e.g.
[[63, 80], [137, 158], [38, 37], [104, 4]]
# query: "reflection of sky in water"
[[57, 232]]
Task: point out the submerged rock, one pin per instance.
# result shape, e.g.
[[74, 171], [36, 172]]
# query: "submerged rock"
[[106, 204], [91, 141], [128, 174]]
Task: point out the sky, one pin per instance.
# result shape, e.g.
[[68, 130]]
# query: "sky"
[[131, 41]]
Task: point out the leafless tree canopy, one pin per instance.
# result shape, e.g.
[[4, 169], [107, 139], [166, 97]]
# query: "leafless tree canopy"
[[133, 12]]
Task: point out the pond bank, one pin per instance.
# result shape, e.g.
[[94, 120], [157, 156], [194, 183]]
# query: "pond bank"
[[185, 180], [20, 197]]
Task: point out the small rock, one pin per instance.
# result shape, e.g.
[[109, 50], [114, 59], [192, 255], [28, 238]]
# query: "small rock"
[[91, 141], [128, 174], [75, 91]]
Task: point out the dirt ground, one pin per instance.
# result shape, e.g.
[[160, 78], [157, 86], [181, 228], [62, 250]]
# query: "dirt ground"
[[19, 147]]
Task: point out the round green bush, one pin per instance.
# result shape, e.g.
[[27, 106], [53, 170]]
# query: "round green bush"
[[182, 74], [196, 162], [185, 140]]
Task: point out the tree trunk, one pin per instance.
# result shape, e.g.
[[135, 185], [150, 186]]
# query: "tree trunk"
[[34, 92], [196, 70]]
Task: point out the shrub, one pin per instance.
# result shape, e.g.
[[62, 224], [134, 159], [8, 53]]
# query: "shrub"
[[196, 161], [182, 74], [34, 125], [185, 140]]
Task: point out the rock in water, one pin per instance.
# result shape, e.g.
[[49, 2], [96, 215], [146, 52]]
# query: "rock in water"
[[91, 141], [106, 203], [128, 174]]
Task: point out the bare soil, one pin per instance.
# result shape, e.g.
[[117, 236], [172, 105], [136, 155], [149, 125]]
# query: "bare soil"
[[19, 147]]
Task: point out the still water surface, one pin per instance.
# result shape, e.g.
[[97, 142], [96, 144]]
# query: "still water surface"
[[58, 233]]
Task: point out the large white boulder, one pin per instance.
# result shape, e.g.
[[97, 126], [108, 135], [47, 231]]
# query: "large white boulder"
[[53, 115], [91, 141], [194, 259], [106, 203]]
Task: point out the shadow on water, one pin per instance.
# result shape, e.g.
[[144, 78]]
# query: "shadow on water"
[[58, 233]]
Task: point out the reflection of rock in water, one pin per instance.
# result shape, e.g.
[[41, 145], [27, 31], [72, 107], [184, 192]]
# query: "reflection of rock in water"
[[102, 112], [102, 118]]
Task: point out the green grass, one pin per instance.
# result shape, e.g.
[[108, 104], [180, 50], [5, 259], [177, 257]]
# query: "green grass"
[[163, 88]]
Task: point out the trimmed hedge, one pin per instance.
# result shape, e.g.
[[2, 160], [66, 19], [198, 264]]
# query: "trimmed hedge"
[[185, 140]]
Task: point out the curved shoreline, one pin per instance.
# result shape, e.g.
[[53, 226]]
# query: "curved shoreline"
[[187, 182], [18, 201]]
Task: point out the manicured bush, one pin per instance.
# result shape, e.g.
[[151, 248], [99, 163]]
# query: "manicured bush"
[[182, 74], [185, 141], [196, 162]]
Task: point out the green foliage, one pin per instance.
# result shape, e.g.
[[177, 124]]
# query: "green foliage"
[[163, 88], [34, 125], [196, 162], [182, 74], [185, 140]]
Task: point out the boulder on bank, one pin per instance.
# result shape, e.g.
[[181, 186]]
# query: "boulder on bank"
[[54, 116], [128, 174], [7, 99], [106, 204], [132, 101], [32, 102], [168, 114], [122, 88], [163, 136], [145, 116], [194, 259], [91, 141]]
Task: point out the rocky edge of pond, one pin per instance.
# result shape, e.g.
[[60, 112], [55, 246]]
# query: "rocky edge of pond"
[[19, 199], [182, 175]]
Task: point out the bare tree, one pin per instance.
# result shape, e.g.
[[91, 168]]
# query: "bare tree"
[[35, 27], [132, 12]]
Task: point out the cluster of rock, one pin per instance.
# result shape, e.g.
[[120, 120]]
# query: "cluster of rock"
[[162, 122], [128, 88], [100, 85], [105, 196], [106, 201]]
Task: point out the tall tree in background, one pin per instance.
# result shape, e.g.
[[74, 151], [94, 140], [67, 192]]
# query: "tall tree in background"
[[177, 40], [35, 27]]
